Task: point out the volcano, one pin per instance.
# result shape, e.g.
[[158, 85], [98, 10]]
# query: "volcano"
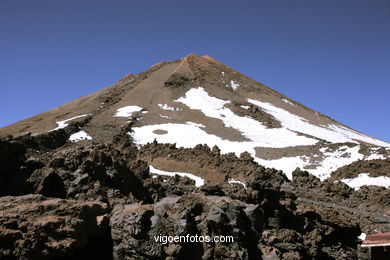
[[189, 148], [198, 100]]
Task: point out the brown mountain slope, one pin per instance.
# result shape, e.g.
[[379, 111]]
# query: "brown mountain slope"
[[162, 83]]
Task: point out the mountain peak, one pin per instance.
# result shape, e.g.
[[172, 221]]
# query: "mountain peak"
[[191, 65], [192, 56], [195, 60]]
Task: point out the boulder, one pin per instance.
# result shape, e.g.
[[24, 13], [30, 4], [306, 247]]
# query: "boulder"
[[36, 227]]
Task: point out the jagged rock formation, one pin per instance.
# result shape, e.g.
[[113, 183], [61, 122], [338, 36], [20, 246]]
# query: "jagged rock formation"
[[35, 227], [123, 205]]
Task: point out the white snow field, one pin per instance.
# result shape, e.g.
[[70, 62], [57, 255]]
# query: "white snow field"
[[331, 161], [190, 134], [127, 111], [187, 136], [260, 135], [365, 179], [331, 133], [198, 181], [64, 123], [79, 136]]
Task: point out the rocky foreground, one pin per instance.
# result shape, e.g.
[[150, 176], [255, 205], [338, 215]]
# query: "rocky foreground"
[[93, 200]]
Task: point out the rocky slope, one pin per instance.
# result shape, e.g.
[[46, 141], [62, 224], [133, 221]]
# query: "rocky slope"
[[92, 195]]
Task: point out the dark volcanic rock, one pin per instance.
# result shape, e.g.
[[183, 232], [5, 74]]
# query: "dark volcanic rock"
[[135, 227], [13, 170], [96, 171], [280, 233], [48, 183], [338, 203], [34, 227], [177, 80], [224, 166], [114, 208], [373, 167]]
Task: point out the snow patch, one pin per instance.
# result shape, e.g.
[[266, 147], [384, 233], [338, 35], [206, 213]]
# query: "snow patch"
[[288, 102], [331, 133], [331, 161], [167, 107], [260, 135], [79, 136], [64, 123], [188, 136], [245, 107], [375, 156], [127, 111], [285, 164], [234, 85], [198, 181], [163, 116], [352, 134], [233, 181], [195, 124], [365, 179]]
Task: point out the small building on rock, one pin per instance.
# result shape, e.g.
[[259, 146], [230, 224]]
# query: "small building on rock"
[[379, 245]]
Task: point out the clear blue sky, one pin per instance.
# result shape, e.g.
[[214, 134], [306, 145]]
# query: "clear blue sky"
[[333, 55]]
